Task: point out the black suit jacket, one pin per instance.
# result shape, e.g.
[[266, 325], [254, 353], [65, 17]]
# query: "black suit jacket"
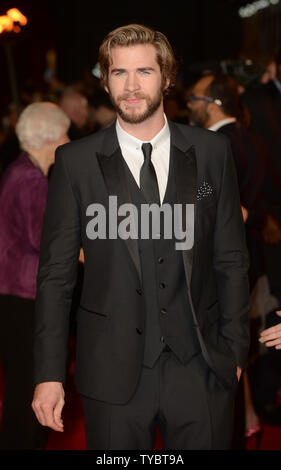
[[111, 315], [251, 159]]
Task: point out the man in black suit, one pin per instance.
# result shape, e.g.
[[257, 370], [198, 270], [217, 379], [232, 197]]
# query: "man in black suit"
[[162, 329], [215, 105]]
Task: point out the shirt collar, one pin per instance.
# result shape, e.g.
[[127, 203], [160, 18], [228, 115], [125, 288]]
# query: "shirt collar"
[[133, 143], [277, 84], [221, 123]]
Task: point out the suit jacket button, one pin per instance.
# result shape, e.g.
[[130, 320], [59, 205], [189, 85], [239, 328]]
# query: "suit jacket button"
[[162, 285], [139, 291], [160, 260], [139, 331], [163, 310]]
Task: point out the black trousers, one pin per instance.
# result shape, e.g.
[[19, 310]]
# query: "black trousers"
[[20, 428], [192, 409]]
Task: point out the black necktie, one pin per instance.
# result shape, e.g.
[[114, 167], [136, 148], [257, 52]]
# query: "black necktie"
[[148, 179]]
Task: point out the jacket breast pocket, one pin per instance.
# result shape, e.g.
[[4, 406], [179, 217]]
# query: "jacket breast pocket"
[[91, 319], [207, 203]]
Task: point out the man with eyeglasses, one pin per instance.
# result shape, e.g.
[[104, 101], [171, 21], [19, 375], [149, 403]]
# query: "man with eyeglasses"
[[214, 104]]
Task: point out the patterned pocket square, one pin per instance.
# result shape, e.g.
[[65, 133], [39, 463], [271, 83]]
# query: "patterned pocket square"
[[204, 190]]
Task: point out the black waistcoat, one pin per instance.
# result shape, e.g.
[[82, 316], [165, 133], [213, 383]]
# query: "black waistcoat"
[[168, 315]]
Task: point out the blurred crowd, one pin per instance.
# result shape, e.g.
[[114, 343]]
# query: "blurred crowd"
[[85, 103], [239, 99]]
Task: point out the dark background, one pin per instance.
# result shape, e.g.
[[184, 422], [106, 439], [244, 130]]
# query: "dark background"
[[198, 30]]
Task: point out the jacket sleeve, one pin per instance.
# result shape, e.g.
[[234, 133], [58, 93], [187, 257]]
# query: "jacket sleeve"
[[231, 264], [59, 252]]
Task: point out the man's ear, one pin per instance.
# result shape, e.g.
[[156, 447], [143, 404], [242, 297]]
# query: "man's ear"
[[106, 88], [212, 107], [167, 84]]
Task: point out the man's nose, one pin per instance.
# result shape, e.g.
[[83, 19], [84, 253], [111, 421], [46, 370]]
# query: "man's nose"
[[132, 83]]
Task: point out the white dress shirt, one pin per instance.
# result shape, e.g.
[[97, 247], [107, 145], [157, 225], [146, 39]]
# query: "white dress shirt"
[[277, 84], [160, 157], [221, 123]]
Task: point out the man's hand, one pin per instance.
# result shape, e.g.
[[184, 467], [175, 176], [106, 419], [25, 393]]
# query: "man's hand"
[[48, 402], [238, 372], [272, 336]]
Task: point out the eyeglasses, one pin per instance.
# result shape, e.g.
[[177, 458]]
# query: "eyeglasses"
[[205, 98]]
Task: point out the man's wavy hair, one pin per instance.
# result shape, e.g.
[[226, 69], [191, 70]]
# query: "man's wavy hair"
[[133, 34]]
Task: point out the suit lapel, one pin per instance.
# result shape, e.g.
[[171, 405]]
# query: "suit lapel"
[[183, 153], [112, 167]]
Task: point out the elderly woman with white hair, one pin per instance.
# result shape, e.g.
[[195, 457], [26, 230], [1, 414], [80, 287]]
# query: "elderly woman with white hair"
[[41, 128]]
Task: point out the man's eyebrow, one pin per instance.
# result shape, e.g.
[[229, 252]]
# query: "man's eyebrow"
[[117, 70], [124, 70], [145, 68]]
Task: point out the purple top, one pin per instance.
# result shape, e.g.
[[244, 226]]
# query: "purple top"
[[23, 196]]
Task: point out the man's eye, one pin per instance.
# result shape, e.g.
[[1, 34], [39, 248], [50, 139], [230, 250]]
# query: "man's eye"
[[144, 72], [119, 72]]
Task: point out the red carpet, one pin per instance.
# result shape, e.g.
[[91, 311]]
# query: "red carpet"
[[73, 437]]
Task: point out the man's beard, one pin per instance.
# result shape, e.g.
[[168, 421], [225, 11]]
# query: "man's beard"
[[130, 116], [199, 117]]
